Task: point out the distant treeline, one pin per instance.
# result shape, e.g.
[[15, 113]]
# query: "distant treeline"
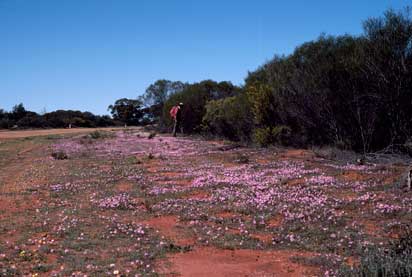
[[354, 92], [19, 117]]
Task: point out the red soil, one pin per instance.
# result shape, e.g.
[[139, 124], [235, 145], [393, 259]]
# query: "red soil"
[[370, 227], [276, 221], [226, 214], [353, 176], [169, 228], [266, 238], [296, 181], [198, 195], [207, 261], [298, 154], [124, 187]]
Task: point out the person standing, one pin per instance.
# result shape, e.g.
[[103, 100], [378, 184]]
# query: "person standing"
[[176, 113]]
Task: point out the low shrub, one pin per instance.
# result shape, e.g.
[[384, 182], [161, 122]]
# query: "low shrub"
[[59, 155], [242, 159], [337, 154], [100, 135], [396, 260], [95, 135]]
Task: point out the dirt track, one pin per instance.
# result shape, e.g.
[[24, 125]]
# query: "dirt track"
[[35, 133]]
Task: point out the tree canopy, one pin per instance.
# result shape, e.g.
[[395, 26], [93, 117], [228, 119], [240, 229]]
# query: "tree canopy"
[[127, 111]]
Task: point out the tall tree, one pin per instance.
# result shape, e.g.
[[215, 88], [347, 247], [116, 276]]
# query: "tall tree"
[[157, 94], [18, 112], [128, 111]]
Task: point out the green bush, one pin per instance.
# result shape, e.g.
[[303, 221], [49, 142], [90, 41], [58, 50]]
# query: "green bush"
[[352, 91], [229, 117], [195, 97], [272, 135]]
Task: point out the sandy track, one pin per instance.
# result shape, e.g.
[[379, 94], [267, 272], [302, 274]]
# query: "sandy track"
[[34, 133]]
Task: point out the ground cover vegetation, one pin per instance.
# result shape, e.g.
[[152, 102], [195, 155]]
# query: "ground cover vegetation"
[[121, 203]]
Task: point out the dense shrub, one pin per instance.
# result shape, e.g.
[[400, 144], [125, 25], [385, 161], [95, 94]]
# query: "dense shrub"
[[4, 123], [32, 121], [353, 91], [195, 97], [272, 135], [229, 117]]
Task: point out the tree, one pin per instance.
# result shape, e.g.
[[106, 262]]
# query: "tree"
[[18, 112], [128, 111], [157, 94], [4, 122], [352, 91]]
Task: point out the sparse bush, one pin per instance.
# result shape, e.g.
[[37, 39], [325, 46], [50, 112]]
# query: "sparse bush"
[[242, 159], [394, 261], [95, 135], [100, 135], [86, 140], [334, 153], [133, 160]]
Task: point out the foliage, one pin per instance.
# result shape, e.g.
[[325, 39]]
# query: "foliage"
[[127, 111], [18, 112], [229, 117], [23, 118], [195, 97], [262, 103], [272, 135], [156, 95], [342, 89]]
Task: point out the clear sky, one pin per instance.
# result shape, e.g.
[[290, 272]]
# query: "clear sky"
[[85, 54]]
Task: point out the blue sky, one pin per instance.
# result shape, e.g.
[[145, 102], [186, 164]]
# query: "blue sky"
[[85, 54]]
